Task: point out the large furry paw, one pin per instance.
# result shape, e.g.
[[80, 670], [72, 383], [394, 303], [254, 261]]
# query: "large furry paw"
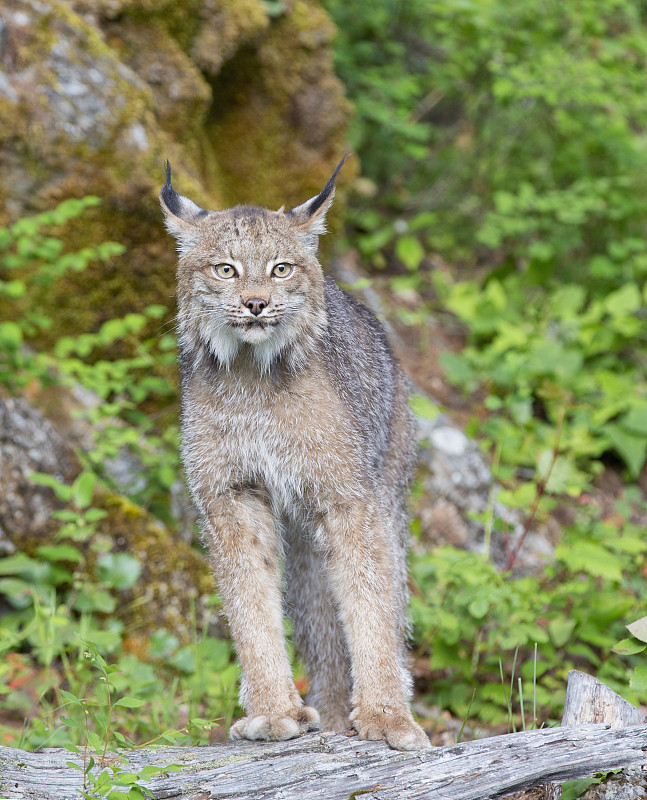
[[276, 727], [398, 728]]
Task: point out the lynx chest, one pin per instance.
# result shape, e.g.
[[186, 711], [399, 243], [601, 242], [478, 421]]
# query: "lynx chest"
[[294, 441]]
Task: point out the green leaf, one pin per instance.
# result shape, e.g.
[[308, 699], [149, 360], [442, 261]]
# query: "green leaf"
[[591, 558], [61, 490], [561, 630], [478, 608], [10, 335], [409, 250], [638, 680], [635, 420], [151, 772], [71, 698], [128, 702], [18, 564], [118, 570], [66, 514], [628, 647], [423, 407], [13, 289], [631, 448], [623, 301], [125, 778], [59, 552], [71, 723], [155, 311], [571, 790], [93, 598], [521, 497], [83, 489]]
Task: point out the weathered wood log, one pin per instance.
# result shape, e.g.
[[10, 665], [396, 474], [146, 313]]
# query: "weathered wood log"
[[588, 700], [330, 766]]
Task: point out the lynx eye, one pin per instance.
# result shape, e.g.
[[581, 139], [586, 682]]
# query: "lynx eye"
[[282, 270], [224, 271]]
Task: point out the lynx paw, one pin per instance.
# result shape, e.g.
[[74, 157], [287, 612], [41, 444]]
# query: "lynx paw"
[[399, 729], [276, 727]]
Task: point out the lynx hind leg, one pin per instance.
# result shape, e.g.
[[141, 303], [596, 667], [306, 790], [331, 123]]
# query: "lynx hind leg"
[[244, 548], [318, 632]]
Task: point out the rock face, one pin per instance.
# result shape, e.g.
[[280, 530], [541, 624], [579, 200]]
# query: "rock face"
[[96, 94], [28, 444], [460, 495], [173, 574]]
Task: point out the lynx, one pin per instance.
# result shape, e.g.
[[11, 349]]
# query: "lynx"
[[298, 447]]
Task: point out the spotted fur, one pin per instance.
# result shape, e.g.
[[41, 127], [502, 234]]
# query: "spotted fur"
[[298, 446]]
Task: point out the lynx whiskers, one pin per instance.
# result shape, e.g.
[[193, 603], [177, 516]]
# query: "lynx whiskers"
[[298, 447]]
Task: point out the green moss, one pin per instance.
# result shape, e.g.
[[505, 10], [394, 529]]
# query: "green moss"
[[278, 120], [232, 24], [174, 576], [181, 94]]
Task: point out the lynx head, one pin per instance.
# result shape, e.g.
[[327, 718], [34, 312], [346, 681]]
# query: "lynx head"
[[249, 282]]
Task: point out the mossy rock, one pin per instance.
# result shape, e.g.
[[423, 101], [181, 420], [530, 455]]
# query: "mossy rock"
[[175, 582], [279, 115], [247, 108], [175, 585]]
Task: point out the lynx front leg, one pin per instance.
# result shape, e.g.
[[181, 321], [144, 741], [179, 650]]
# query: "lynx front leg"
[[244, 551], [360, 569]]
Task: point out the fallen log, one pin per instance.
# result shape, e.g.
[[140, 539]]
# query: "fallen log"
[[588, 700], [327, 766]]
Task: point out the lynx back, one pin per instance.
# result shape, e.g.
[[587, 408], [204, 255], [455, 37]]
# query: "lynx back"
[[298, 446]]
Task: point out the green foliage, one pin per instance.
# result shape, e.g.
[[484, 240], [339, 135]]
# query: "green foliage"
[[513, 139], [62, 602], [476, 622], [563, 352], [122, 385], [36, 260], [56, 683], [571, 790], [632, 646], [110, 779]]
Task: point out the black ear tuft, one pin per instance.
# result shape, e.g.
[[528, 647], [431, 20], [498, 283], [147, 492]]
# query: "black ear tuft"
[[321, 198], [176, 204], [169, 195]]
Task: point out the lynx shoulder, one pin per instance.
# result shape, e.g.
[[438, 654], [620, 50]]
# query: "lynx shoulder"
[[298, 446]]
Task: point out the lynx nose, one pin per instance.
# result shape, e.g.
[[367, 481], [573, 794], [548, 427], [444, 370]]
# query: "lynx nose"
[[256, 305]]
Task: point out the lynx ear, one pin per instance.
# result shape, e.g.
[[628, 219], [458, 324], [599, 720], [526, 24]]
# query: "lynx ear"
[[181, 215], [309, 219]]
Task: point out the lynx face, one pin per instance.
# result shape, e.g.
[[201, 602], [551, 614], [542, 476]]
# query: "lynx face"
[[250, 286], [249, 283]]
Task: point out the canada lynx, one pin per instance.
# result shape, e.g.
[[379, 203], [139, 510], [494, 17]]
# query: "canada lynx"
[[298, 446]]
